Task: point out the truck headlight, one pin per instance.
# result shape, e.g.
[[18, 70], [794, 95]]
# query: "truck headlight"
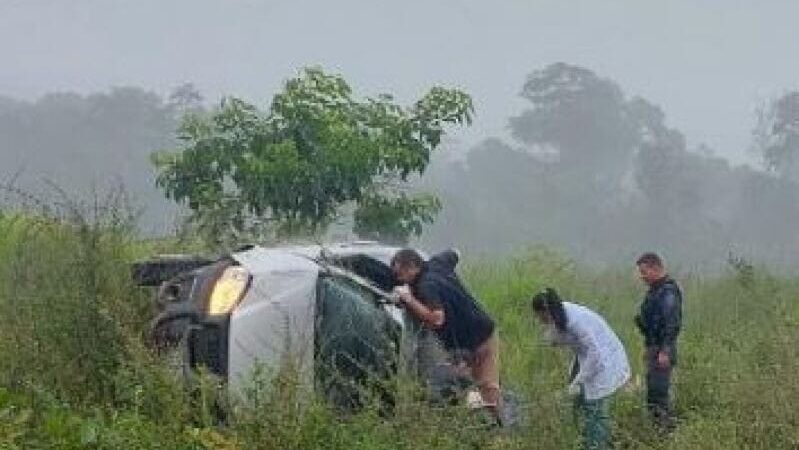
[[228, 291]]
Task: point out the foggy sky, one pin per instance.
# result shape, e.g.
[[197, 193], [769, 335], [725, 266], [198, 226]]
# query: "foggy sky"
[[707, 65]]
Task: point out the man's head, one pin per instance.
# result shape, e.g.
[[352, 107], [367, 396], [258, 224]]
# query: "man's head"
[[650, 268], [406, 265]]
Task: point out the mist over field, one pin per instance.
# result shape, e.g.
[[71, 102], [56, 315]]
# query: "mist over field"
[[551, 142]]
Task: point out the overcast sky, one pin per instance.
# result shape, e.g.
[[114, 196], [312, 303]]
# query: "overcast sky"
[[708, 63]]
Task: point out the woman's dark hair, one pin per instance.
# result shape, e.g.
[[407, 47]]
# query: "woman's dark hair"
[[548, 301]]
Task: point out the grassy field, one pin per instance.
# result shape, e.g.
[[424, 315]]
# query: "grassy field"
[[75, 373]]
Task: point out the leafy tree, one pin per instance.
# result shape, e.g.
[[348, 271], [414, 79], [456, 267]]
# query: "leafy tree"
[[777, 135], [394, 219], [290, 169], [580, 116], [660, 160]]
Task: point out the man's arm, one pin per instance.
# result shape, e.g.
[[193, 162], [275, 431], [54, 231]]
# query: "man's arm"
[[430, 312], [433, 318], [592, 363], [671, 321]]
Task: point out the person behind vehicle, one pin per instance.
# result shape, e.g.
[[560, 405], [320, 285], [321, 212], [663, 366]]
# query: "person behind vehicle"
[[600, 365], [434, 295], [659, 320], [445, 262]]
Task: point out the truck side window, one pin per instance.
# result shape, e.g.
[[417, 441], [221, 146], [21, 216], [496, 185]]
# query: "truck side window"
[[356, 346]]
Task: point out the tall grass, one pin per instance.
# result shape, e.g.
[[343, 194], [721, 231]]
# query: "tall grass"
[[75, 373], [735, 383]]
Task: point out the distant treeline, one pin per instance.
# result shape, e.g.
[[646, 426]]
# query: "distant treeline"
[[88, 145], [601, 175]]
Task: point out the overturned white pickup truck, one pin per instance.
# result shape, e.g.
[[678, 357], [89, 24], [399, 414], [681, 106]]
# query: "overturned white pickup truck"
[[325, 310]]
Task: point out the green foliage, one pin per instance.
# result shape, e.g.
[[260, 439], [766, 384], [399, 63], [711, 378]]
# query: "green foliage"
[[291, 168], [394, 219], [579, 114], [63, 287], [732, 385], [76, 374]]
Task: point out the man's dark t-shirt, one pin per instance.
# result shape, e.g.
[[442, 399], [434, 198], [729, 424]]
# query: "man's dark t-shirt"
[[466, 325]]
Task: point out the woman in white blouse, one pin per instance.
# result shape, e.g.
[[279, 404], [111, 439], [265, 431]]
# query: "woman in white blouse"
[[600, 366]]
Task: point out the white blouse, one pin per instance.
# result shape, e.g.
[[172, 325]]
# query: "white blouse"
[[603, 363]]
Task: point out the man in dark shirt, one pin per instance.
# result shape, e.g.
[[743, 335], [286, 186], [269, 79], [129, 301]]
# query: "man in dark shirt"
[[435, 296], [659, 321]]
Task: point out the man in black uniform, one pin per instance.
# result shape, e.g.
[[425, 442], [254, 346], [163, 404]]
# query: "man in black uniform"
[[435, 296], [659, 320]]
